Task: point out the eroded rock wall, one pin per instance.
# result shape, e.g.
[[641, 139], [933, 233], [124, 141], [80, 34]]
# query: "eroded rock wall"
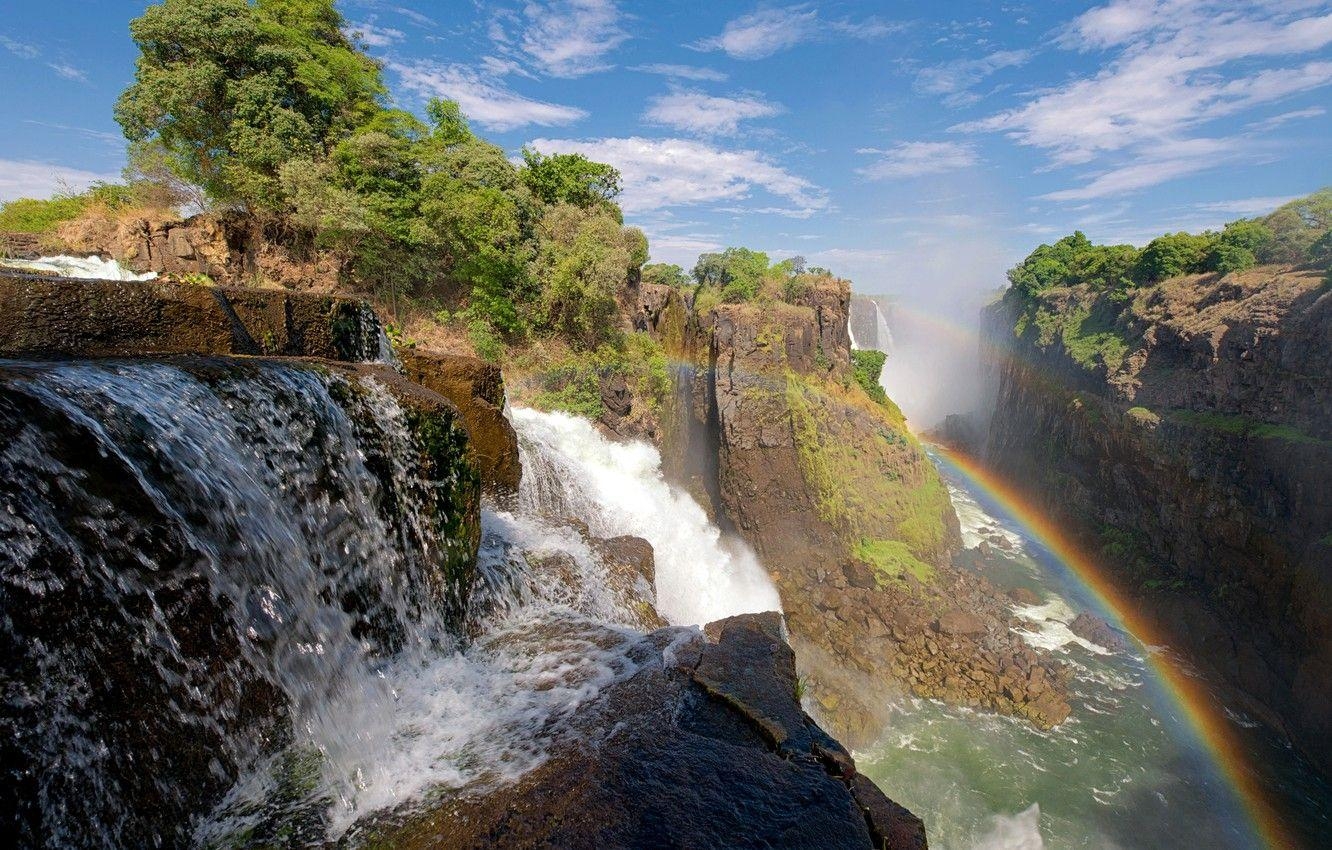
[[1187, 434]]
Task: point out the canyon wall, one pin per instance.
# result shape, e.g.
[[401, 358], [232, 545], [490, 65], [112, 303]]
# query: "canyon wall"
[[1186, 432]]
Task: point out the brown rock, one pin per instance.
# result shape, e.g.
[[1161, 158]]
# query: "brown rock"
[[1024, 596], [477, 389], [959, 622]]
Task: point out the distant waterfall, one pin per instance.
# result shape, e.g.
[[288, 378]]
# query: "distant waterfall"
[[866, 313], [569, 469]]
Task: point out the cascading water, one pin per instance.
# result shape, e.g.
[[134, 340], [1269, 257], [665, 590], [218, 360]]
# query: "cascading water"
[[570, 470], [91, 268], [227, 582]]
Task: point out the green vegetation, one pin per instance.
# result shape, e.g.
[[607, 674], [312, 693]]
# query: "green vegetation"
[[666, 274], [866, 366], [1088, 333], [267, 108], [573, 383], [892, 560], [1242, 426], [1294, 234], [843, 463], [739, 275]]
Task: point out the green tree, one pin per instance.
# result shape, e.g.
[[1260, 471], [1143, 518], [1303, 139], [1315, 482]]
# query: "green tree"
[[1238, 246], [1296, 226], [583, 260], [737, 272], [1174, 254], [569, 178], [666, 274], [233, 90]]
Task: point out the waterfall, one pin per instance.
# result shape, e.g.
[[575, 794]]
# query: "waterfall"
[[225, 608], [569, 469], [94, 268], [884, 336]]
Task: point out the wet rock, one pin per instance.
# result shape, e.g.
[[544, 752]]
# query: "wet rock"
[[1024, 596], [476, 388], [1091, 627], [680, 756]]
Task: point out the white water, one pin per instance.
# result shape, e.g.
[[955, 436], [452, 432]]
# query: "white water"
[[89, 268], [570, 469]]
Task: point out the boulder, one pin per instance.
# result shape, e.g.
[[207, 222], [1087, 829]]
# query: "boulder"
[[1090, 627], [959, 622], [681, 754], [476, 388]]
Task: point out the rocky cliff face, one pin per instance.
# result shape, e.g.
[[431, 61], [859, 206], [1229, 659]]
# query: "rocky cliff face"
[[770, 430], [1187, 433]]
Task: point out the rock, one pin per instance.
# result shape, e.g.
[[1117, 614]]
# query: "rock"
[[959, 622], [1091, 627], [477, 389], [1024, 596], [859, 574], [42, 316], [675, 757]]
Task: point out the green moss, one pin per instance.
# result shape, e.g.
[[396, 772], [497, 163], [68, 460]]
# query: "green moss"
[[892, 560], [1243, 426], [872, 484]]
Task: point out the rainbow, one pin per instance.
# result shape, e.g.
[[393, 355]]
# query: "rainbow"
[[1212, 730]]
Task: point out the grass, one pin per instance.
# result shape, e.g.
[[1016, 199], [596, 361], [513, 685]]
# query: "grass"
[[28, 215], [1243, 426], [1093, 341], [871, 483], [892, 560]]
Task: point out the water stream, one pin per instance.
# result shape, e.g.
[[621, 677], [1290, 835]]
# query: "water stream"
[[1123, 772]]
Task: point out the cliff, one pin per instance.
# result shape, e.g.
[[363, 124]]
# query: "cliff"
[[769, 428], [1185, 431]]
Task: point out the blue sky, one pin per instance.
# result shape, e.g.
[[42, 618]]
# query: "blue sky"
[[918, 148]]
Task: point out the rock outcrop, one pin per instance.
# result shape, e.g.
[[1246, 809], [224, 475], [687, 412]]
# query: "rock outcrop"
[[1187, 433], [770, 431], [721, 711], [47, 316], [477, 389]]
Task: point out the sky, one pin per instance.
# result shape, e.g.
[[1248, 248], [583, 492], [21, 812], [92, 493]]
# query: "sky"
[[918, 148]]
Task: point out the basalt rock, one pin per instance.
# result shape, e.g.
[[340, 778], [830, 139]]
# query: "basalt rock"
[[46, 316], [476, 388], [1091, 627], [705, 746], [1186, 435]]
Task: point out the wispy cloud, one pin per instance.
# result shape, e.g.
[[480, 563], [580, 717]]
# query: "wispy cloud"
[[663, 173], [565, 38], [768, 31], [109, 138], [19, 48], [373, 35], [69, 72], [696, 112], [682, 72], [483, 99], [1247, 206], [954, 79], [1174, 66], [28, 179], [916, 159]]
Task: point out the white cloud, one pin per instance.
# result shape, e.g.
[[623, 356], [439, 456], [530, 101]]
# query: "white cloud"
[[768, 31], [19, 48], [372, 35], [696, 112], [28, 179], [1169, 162], [69, 72], [663, 173], [915, 159], [1248, 206], [682, 72], [1285, 118], [1174, 66], [570, 38], [954, 78], [483, 99]]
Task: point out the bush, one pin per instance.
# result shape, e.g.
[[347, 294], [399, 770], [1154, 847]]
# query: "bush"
[[867, 364], [30, 215]]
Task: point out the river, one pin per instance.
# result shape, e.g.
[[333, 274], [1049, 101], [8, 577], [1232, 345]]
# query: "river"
[[1126, 771]]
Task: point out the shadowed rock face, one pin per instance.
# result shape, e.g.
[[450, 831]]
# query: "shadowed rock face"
[[1197, 461], [704, 747], [53, 317]]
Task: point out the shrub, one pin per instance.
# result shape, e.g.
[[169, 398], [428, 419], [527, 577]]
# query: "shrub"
[[867, 364], [30, 215]]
